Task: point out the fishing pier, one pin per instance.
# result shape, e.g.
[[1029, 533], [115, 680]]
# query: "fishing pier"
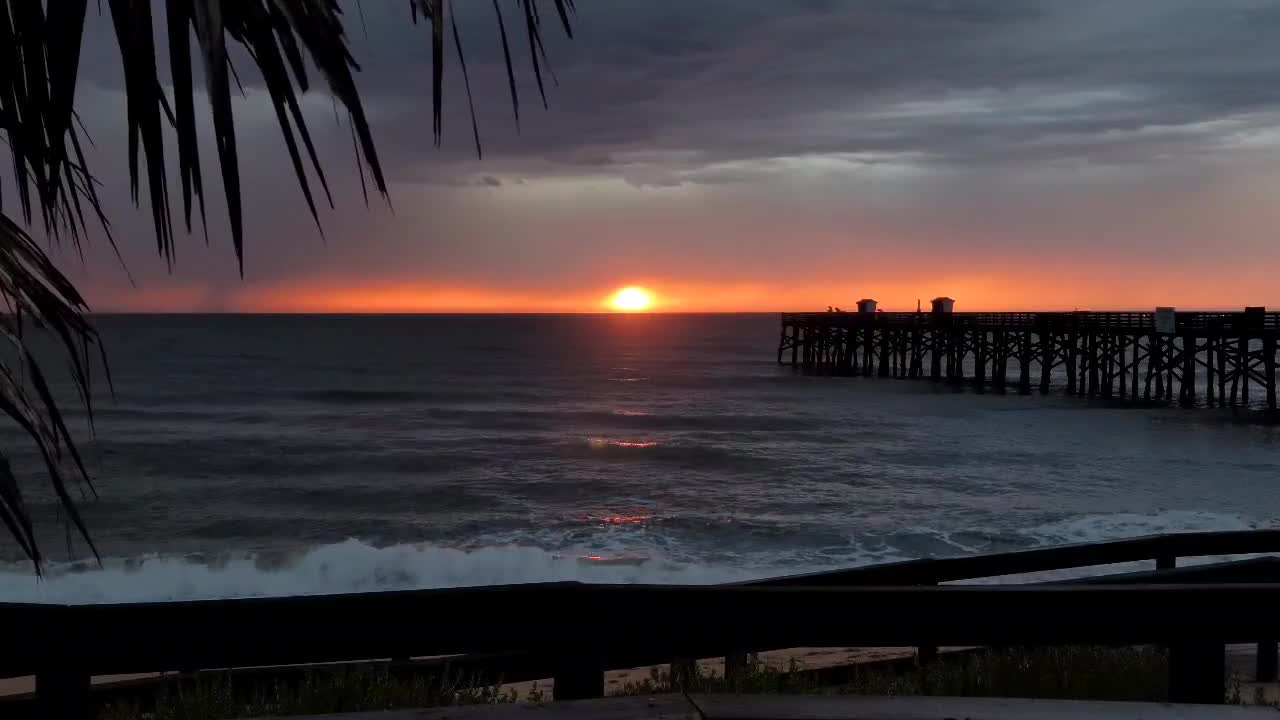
[[1215, 359]]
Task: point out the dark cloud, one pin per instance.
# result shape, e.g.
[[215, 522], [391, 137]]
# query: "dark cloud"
[[668, 93], [933, 110], [958, 82]]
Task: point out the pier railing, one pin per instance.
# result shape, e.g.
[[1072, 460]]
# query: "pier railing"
[[1141, 321], [573, 632]]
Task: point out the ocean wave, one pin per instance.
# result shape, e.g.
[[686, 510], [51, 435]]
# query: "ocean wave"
[[350, 566], [1115, 526], [345, 396], [626, 552], [1110, 526], [181, 405], [631, 418]]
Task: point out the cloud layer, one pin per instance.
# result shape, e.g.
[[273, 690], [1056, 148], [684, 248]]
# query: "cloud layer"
[[900, 145]]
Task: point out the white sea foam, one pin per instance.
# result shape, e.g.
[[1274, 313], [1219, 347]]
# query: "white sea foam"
[[355, 566], [1113, 526], [1090, 528], [350, 566]]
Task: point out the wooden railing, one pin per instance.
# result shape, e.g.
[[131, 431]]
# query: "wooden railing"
[[574, 632]]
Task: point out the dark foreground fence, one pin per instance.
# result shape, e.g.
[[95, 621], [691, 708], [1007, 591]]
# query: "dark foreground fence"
[[573, 632]]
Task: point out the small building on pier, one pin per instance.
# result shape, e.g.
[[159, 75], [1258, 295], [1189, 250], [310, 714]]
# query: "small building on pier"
[[866, 305], [943, 304]]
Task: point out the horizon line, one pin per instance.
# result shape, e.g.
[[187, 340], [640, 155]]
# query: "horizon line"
[[1233, 308]]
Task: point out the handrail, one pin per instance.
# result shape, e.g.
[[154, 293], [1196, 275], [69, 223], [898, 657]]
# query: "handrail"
[[680, 619], [582, 629]]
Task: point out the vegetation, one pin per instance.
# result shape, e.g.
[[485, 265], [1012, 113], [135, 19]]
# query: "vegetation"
[[218, 698], [1094, 673], [57, 193], [1069, 672]]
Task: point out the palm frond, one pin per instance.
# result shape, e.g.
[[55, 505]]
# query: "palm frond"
[[39, 62], [40, 299], [185, 116], [436, 11], [506, 57], [466, 81], [533, 26]]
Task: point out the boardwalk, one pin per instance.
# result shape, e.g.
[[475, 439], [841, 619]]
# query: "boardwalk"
[[1192, 358]]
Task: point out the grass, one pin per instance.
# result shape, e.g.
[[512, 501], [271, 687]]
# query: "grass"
[[217, 698], [1072, 672], [1095, 673]]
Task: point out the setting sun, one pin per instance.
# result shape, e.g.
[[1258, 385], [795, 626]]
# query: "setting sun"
[[631, 299]]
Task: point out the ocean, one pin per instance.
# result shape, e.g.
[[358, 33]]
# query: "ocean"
[[267, 455]]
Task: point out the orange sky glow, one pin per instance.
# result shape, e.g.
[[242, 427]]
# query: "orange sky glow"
[[997, 292]]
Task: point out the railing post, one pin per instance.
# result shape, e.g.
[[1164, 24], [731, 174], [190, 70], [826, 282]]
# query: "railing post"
[[63, 694], [926, 653], [579, 675], [735, 663], [1197, 672], [683, 671], [1267, 661]]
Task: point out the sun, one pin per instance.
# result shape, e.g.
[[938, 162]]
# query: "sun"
[[631, 299]]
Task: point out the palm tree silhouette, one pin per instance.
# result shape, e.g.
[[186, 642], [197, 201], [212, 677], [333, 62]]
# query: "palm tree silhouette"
[[56, 192]]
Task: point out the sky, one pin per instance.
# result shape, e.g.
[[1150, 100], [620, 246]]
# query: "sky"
[[753, 155]]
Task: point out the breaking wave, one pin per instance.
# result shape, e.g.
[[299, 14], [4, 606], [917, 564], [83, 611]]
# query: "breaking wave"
[[357, 566]]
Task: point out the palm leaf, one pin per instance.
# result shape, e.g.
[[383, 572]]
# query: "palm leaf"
[[535, 45], [185, 116], [35, 291], [506, 57], [466, 81]]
